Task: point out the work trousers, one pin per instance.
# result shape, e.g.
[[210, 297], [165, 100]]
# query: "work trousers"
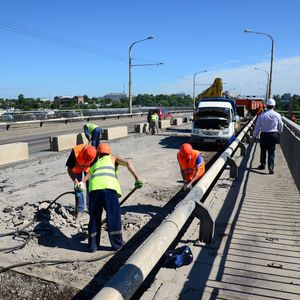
[[79, 195], [95, 139], [107, 199], [268, 141], [153, 127]]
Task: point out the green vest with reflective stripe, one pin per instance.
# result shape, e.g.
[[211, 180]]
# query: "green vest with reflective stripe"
[[91, 127], [154, 117], [104, 176]]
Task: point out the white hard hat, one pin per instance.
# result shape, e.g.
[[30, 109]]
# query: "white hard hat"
[[271, 102]]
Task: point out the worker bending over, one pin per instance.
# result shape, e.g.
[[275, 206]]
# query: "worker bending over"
[[92, 133], [153, 128], [191, 164], [79, 162], [104, 189]]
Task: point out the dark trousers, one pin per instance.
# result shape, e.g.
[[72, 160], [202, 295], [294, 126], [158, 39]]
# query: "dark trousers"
[[268, 141], [95, 139], [107, 199]]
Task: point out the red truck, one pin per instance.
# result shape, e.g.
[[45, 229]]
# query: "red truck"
[[249, 105]]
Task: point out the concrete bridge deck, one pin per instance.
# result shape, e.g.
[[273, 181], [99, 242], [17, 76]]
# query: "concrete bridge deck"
[[256, 249]]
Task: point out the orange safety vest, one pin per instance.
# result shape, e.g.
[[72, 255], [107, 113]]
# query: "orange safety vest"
[[188, 167], [81, 164]]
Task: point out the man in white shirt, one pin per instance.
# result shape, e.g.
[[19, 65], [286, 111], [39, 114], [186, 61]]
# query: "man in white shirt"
[[269, 123]]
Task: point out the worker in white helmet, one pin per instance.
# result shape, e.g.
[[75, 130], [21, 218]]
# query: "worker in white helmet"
[[269, 123]]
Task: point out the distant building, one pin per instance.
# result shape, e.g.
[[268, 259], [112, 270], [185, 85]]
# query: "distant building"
[[285, 98], [115, 96], [69, 100]]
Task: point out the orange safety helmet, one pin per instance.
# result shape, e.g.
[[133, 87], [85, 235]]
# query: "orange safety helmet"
[[104, 148], [185, 150], [89, 153]]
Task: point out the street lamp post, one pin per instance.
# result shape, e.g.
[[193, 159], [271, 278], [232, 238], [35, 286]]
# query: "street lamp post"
[[272, 57], [268, 76], [130, 65], [194, 86]]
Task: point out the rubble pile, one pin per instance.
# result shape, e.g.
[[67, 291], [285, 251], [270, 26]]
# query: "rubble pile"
[[60, 217], [57, 216]]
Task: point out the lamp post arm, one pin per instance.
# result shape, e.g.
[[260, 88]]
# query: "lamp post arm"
[[154, 64], [129, 67], [272, 58], [194, 84]]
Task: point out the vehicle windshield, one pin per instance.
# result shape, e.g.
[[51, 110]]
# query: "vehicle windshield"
[[214, 112]]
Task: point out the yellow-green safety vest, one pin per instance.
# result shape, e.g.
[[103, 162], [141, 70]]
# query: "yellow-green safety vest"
[[154, 117], [104, 176], [91, 127]]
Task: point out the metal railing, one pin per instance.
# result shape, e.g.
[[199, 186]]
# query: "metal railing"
[[85, 118], [128, 279], [290, 145]]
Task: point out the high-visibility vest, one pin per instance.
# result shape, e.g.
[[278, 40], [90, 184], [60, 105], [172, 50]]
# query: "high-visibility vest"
[[104, 176], [91, 127], [154, 117], [188, 167], [81, 164]]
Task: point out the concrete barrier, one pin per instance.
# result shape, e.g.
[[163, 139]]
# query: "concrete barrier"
[[177, 121], [141, 127], [67, 141], [164, 124], [13, 152], [186, 119], [114, 132]]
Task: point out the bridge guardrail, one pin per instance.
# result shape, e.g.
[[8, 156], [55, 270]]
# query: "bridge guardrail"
[[290, 145], [142, 261], [86, 118]]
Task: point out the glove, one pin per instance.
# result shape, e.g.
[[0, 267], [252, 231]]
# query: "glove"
[[79, 186], [138, 184]]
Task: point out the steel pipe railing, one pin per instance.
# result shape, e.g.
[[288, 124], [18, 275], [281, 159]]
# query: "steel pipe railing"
[[124, 283]]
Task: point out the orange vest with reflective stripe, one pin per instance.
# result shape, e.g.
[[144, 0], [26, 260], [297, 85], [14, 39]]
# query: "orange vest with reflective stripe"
[[81, 164], [188, 167]]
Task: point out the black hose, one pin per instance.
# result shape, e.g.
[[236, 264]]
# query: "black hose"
[[24, 233], [62, 261]]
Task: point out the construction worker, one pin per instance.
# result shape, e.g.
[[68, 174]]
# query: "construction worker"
[[191, 164], [269, 123], [104, 189], [92, 133], [79, 162], [154, 123]]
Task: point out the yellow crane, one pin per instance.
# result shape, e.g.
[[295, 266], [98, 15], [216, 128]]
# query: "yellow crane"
[[214, 91]]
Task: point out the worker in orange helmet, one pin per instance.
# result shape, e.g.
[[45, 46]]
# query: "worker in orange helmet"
[[79, 162], [105, 189], [191, 164]]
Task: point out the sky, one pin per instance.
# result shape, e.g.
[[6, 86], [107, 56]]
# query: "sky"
[[74, 47]]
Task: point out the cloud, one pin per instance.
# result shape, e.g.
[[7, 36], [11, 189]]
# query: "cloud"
[[245, 80]]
